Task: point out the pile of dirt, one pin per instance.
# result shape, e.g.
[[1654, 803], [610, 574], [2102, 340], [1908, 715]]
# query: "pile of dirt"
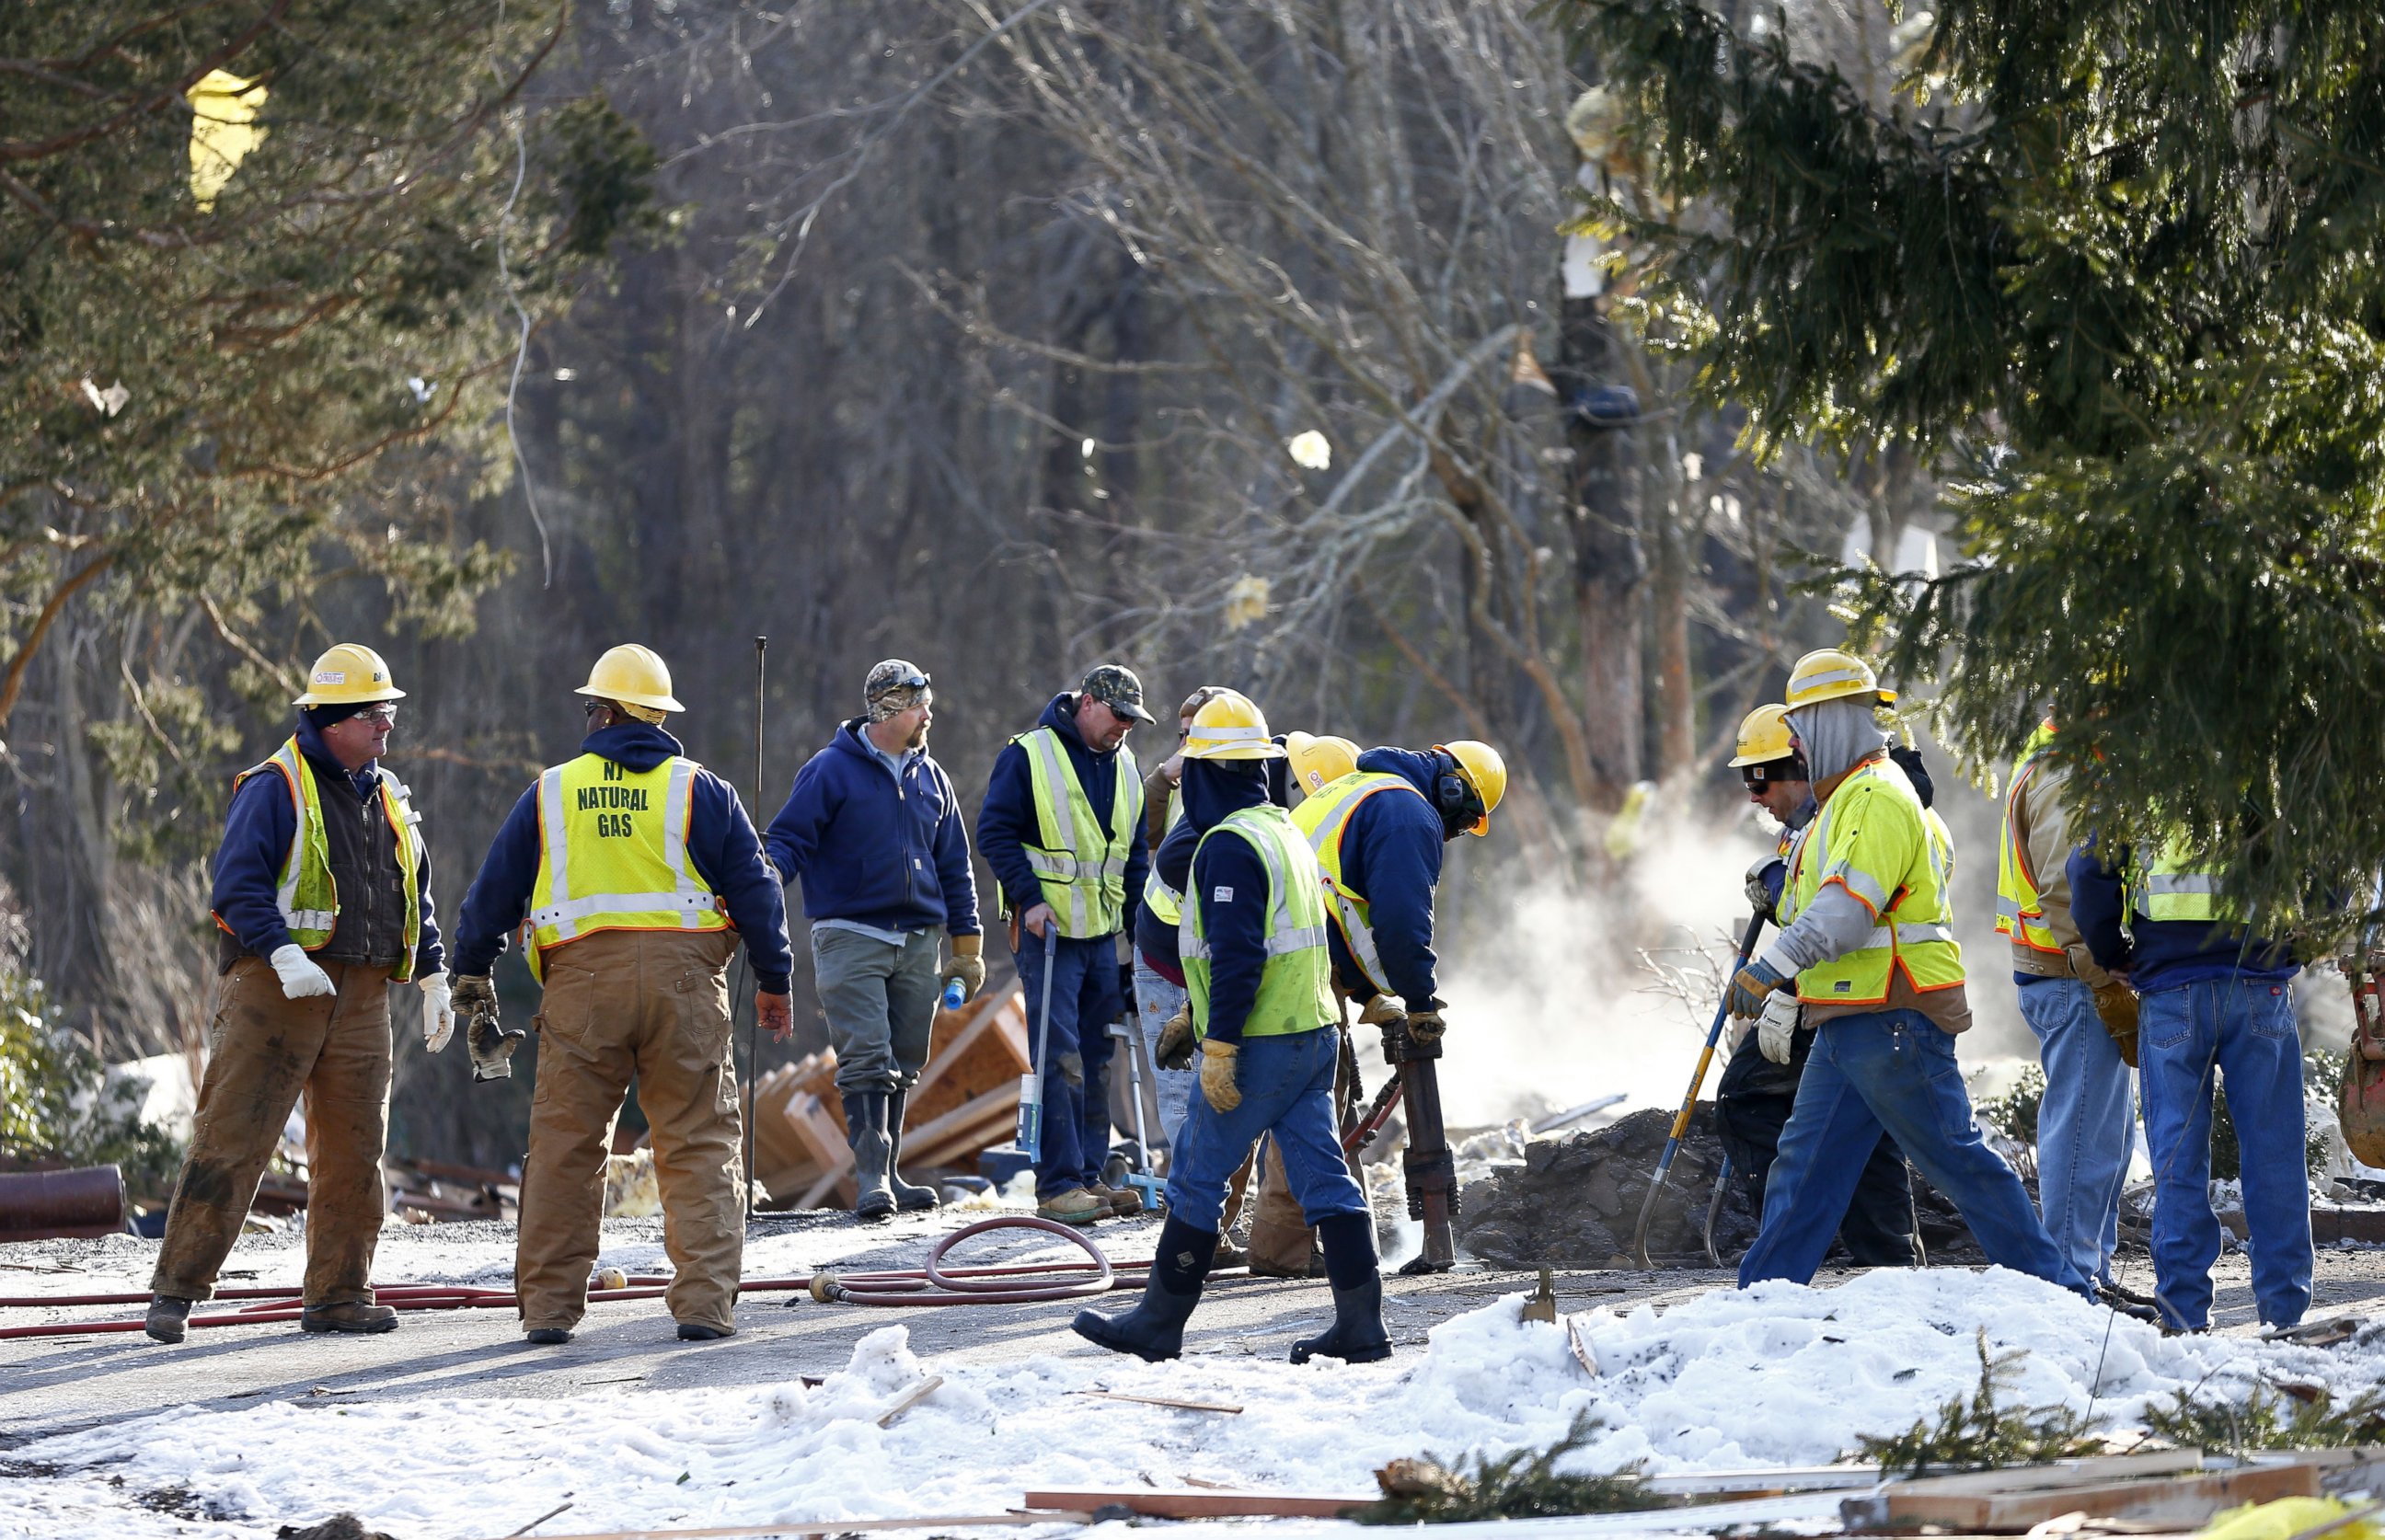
[[1574, 1201]]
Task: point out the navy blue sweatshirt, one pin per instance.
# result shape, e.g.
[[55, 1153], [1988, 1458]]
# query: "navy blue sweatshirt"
[[720, 844], [1006, 823], [2162, 954], [1391, 857], [1229, 881], [1155, 938], [885, 853], [257, 830]]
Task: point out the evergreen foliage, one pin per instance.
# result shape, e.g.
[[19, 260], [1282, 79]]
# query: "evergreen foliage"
[[1975, 1433], [57, 1104], [2307, 1417], [1523, 1485], [2113, 266]]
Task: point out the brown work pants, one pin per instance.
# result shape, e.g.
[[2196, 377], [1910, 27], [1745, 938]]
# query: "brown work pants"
[[1280, 1238], [263, 1050], [653, 1004]]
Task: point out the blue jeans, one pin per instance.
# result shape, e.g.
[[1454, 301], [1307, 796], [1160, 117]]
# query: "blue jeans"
[[1155, 999], [2083, 1124], [2246, 1028], [1076, 1094], [1892, 1070], [1287, 1086]]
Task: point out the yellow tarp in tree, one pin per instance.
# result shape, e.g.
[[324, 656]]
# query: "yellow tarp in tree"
[[223, 129]]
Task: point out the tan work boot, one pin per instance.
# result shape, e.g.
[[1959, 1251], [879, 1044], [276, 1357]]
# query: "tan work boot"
[[1125, 1202], [351, 1316], [1075, 1206]]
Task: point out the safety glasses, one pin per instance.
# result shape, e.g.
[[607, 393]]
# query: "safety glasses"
[[385, 714]]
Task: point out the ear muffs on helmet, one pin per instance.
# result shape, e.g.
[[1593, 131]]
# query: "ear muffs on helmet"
[[1452, 793]]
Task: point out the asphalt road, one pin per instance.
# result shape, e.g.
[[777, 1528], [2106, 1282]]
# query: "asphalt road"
[[50, 1385]]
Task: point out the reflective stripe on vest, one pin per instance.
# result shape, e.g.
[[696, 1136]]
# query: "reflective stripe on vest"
[[1913, 927], [2172, 888], [2020, 913], [304, 892], [1323, 816], [1295, 991], [610, 840], [1157, 897], [1081, 869]]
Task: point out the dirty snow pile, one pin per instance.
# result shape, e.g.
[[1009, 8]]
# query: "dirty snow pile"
[[1778, 1373]]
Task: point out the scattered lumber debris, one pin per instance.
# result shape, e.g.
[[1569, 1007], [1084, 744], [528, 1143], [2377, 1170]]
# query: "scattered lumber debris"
[[1169, 1402], [910, 1398], [2172, 1490], [1200, 1503], [966, 1100]]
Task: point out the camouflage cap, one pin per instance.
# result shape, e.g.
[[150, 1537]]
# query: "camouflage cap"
[[894, 687], [1114, 686]]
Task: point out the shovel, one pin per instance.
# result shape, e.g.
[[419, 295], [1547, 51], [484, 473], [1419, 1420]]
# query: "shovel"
[[1690, 1103], [1031, 1085]]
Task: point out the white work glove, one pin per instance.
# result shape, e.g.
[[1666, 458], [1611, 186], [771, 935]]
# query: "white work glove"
[[1777, 1026], [437, 1011], [1735, 1034], [300, 977]]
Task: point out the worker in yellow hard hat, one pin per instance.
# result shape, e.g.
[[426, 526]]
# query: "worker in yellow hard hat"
[[1314, 760], [321, 900], [1262, 1011], [1868, 945], [1158, 970], [638, 873], [1759, 1081]]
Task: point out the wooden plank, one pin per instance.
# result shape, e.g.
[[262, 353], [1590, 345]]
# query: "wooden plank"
[[1190, 1503], [1164, 1401], [987, 1120], [2183, 1501], [978, 1056], [826, 1526], [824, 1136], [2091, 1471], [910, 1398]]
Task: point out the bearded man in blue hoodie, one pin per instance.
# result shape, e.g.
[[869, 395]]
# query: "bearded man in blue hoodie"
[[1062, 827], [873, 831], [639, 873]]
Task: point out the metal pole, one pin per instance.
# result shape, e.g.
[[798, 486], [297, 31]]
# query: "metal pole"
[[753, 1022]]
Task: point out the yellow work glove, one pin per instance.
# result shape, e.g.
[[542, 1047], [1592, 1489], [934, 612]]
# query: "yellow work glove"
[[1218, 1085], [1380, 1010], [2117, 1004], [968, 964], [1174, 1049], [1426, 1027]]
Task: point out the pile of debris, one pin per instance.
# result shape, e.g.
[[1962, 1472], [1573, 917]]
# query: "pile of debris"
[[1573, 1202]]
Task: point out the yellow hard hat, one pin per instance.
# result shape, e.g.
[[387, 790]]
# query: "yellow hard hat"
[[349, 673], [634, 675], [1763, 737], [1317, 760], [1483, 769], [1230, 727], [1833, 674]]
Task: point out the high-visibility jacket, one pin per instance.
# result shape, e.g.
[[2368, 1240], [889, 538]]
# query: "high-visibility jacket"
[[1874, 838], [2020, 915], [1296, 987], [2173, 888], [1081, 869], [304, 891], [1166, 903], [613, 855], [1323, 818]]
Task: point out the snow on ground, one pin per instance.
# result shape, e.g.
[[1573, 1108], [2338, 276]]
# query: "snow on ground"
[[1778, 1373]]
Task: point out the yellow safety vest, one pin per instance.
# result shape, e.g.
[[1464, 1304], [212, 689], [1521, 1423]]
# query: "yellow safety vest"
[[2020, 913], [304, 892], [1874, 838], [1081, 869], [613, 855], [1322, 817], [2173, 888], [1163, 900], [1296, 989]]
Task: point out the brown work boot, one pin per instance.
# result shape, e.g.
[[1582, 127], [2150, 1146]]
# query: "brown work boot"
[[351, 1316], [1075, 1206], [167, 1316], [1125, 1202]]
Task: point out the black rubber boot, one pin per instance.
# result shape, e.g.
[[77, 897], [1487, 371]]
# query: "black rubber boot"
[[546, 1337], [1153, 1330], [1358, 1334], [865, 1130], [909, 1197], [167, 1316]]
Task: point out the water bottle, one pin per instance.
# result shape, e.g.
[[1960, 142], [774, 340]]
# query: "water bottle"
[[954, 994]]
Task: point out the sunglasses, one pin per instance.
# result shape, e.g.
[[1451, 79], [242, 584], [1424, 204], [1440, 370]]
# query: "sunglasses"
[[913, 680]]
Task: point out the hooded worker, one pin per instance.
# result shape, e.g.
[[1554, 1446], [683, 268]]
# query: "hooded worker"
[[639, 873], [1869, 940], [322, 898], [1262, 1009]]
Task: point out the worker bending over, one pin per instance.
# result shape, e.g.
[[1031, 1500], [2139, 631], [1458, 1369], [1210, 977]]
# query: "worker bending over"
[[1869, 942], [639, 871], [2085, 1020], [1759, 1082], [1262, 1009], [2211, 998], [322, 897]]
